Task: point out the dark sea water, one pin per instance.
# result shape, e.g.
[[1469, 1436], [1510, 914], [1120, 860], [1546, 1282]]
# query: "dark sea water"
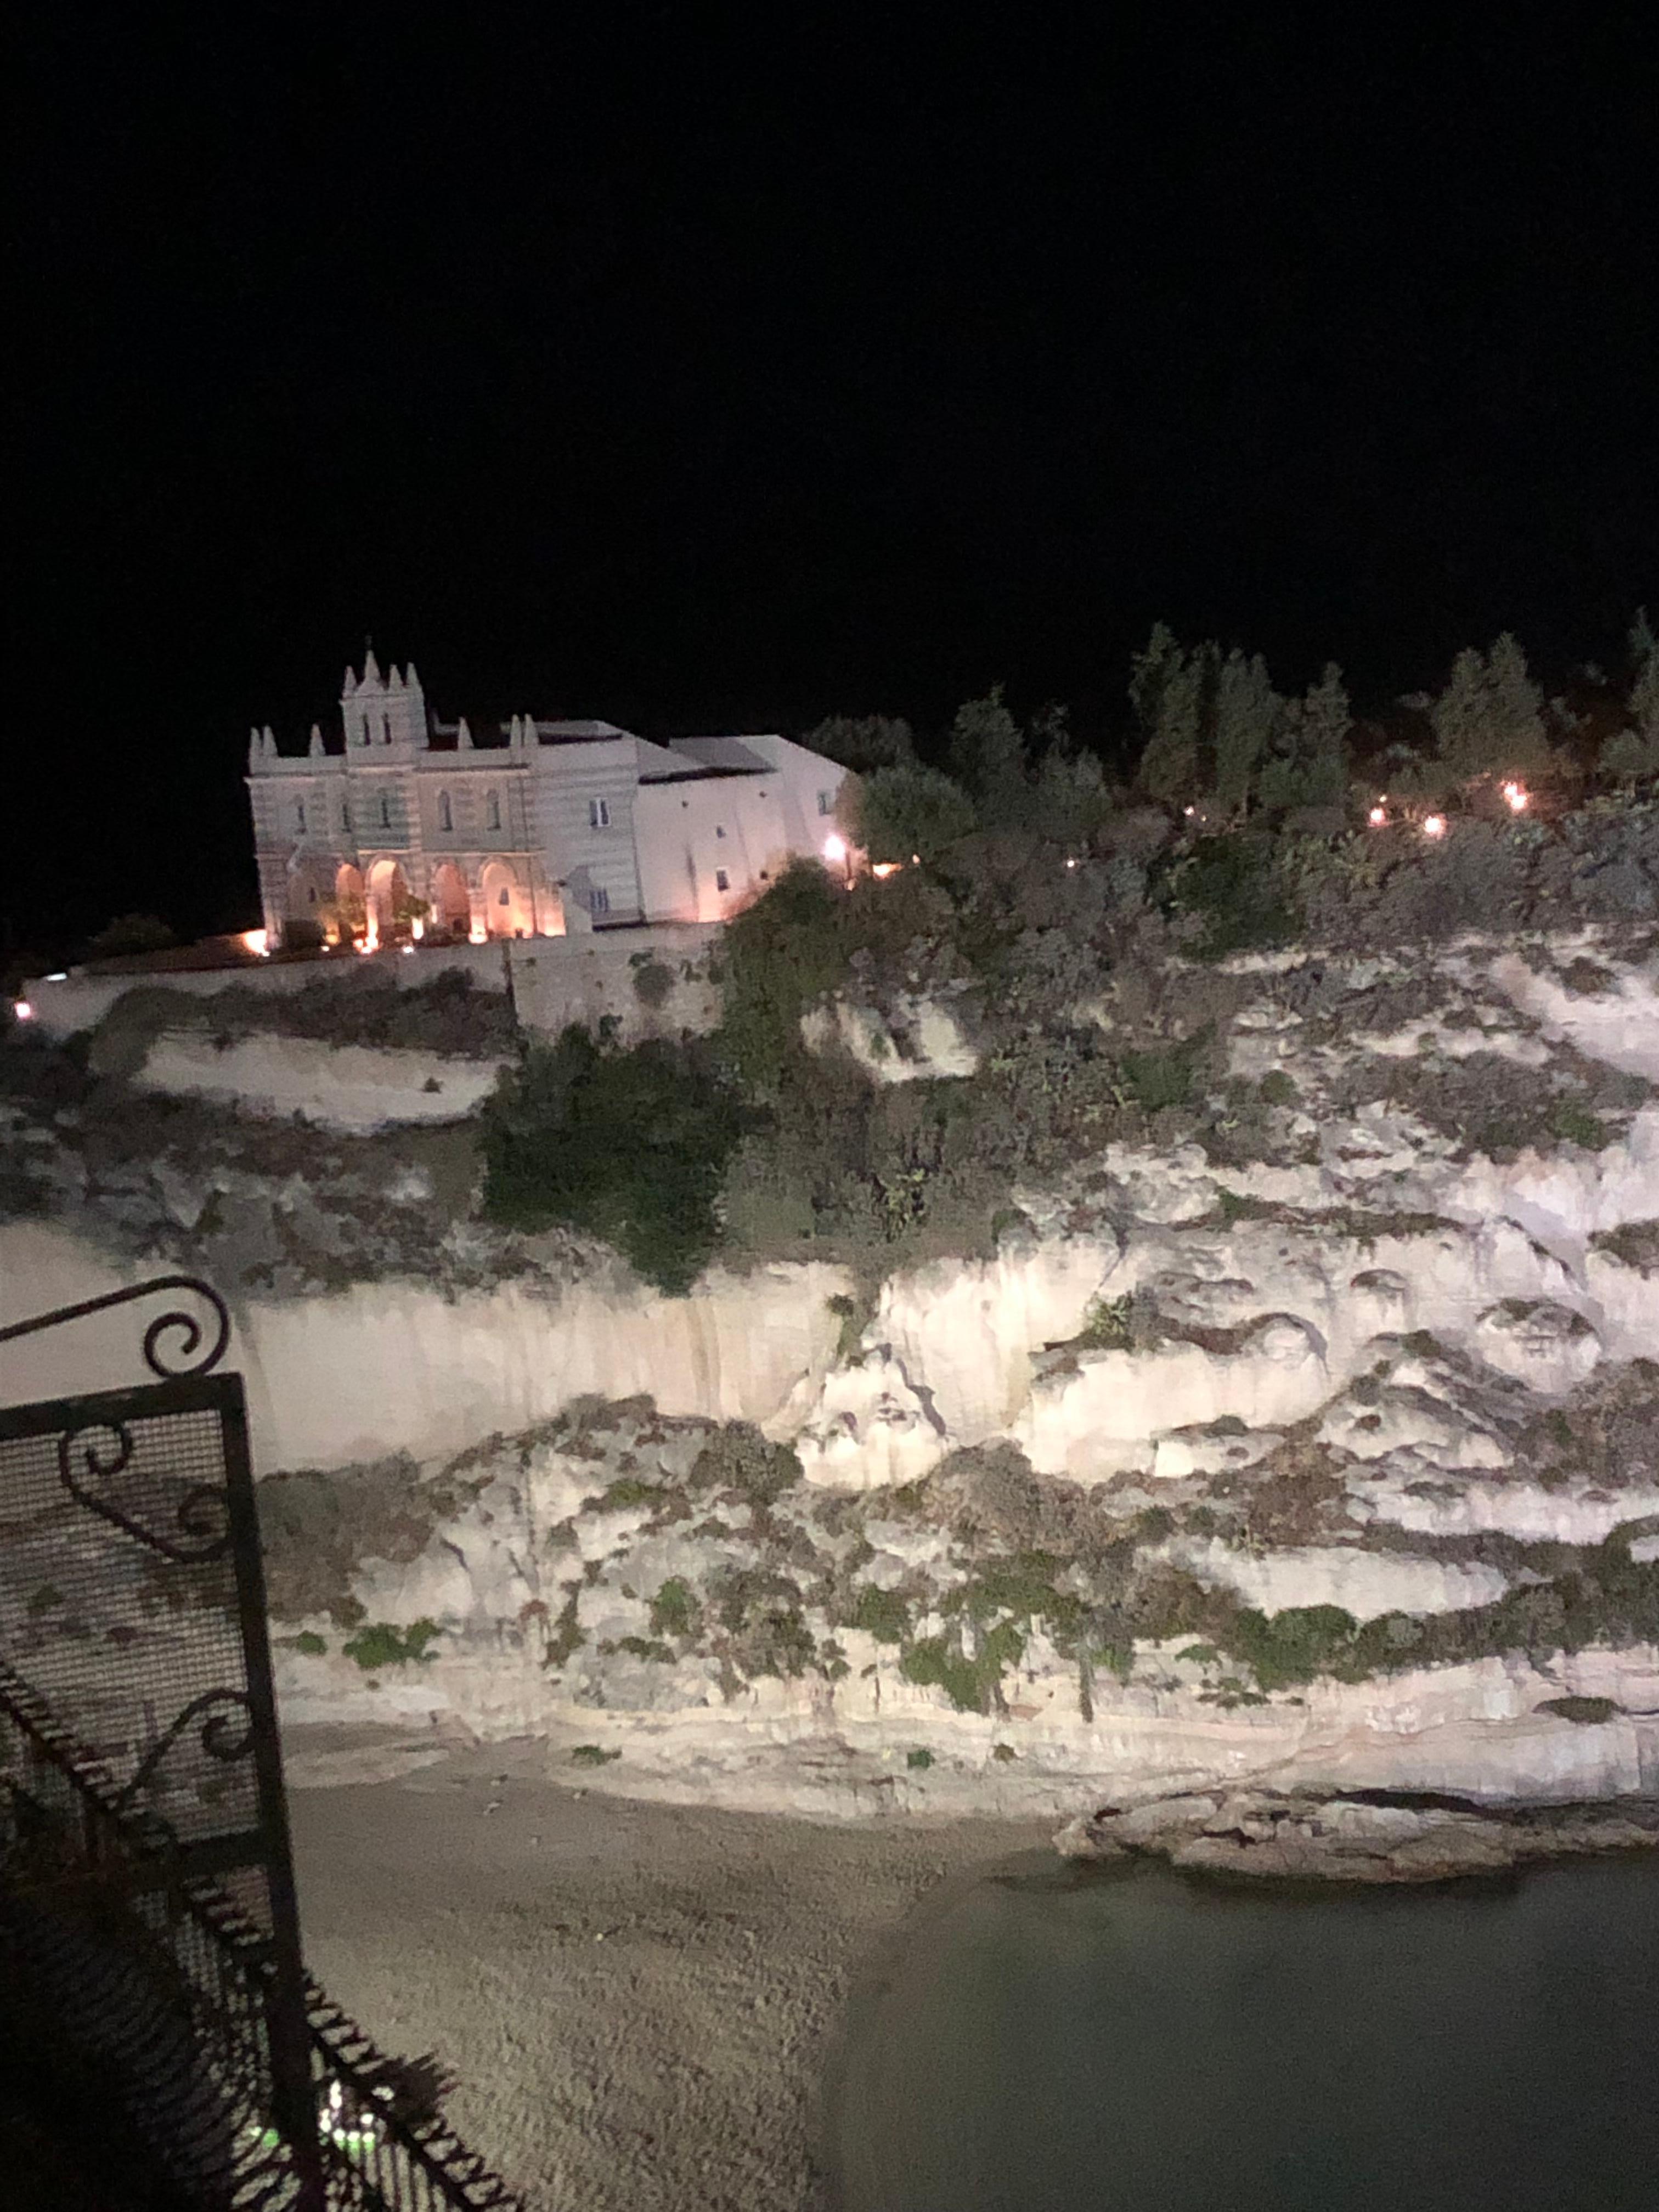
[[1059, 2039]]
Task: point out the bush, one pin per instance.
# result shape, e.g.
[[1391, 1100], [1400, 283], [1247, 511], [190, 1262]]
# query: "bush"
[[383, 1644], [675, 1610], [908, 809], [781, 956], [1231, 886], [882, 1614], [628, 1146], [653, 982], [129, 934]]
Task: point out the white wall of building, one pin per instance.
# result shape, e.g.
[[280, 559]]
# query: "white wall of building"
[[572, 825]]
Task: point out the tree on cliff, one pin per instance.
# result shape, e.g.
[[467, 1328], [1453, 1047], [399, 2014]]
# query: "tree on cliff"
[[906, 809], [1306, 762], [1247, 713], [628, 1146], [1166, 691], [1635, 751], [1489, 721], [863, 742], [988, 757]]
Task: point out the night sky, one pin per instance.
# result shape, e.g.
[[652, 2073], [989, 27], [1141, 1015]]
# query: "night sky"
[[708, 368]]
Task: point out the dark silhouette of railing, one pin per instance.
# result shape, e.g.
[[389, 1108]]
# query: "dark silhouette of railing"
[[150, 1972]]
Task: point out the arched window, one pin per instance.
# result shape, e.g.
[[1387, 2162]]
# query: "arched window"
[[446, 819], [365, 735], [492, 810], [299, 816], [345, 815], [385, 811], [385, 729]]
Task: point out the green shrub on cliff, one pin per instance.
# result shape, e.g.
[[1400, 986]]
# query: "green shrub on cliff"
[[629, 1146]]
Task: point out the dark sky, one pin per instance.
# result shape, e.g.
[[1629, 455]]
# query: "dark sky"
[[704, 368]]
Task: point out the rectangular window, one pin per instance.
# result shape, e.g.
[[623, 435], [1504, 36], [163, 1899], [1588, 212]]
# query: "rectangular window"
[[598, 901], [720, 829], [722, 881], [300, 816], [598, 813], [824, 802], [445, 817]]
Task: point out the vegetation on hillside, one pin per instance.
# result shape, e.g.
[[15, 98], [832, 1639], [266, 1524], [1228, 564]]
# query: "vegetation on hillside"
[[1023, 885], [628, 1144]]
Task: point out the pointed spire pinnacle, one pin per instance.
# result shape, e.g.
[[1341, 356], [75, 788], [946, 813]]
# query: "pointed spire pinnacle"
[[270, 742], [255, 749], [514, 733], [411, 678], [394, 681], [349, 685], [316, 745], [371, 668], [463, 737]]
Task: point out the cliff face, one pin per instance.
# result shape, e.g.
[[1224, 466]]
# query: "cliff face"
[[1319, 1447]]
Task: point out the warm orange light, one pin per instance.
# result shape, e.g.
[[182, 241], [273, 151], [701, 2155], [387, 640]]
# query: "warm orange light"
[[417, 929], [1071, 863], [1434, 825], [1517, 796], [23, 1010], [477, 935], [835, 850], [883, 869], [1378, 817], [257, 941]]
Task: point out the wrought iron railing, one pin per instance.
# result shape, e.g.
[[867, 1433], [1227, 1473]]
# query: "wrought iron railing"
[[172, 1978], [148, 1935]]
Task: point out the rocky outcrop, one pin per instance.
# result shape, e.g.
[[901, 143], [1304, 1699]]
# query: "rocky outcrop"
[[1310, 1443], [1376, 1837]]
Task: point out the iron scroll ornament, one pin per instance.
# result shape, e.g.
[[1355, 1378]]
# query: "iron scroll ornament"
[[192, 1360], [202, 1515], [227, 1735]]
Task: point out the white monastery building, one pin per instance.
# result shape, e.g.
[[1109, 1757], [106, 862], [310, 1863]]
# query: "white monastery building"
[[531, 830]]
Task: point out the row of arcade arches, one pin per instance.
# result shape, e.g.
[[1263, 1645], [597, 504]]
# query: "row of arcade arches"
[[347, 902]]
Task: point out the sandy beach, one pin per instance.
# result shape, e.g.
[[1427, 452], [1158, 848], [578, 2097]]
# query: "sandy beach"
[[640, 1998]]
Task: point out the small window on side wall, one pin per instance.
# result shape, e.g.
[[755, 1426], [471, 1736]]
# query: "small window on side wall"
[[824, 802], [300, 816], [492, 812], [446, 815], [598, 813], [722, 881], [599, 901], [385, 812]]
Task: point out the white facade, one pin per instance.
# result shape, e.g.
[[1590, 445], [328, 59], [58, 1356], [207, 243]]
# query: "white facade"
[[551, 826]]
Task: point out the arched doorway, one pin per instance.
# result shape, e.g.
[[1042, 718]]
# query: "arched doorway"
[[351, 908], [452, 909], [389, 898], [507, 907]]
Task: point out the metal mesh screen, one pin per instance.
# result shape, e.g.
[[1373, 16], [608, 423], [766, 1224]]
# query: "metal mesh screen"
[[119, 1600]]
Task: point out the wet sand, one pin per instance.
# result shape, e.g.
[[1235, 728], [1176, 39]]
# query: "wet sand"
[[639, 1999]]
